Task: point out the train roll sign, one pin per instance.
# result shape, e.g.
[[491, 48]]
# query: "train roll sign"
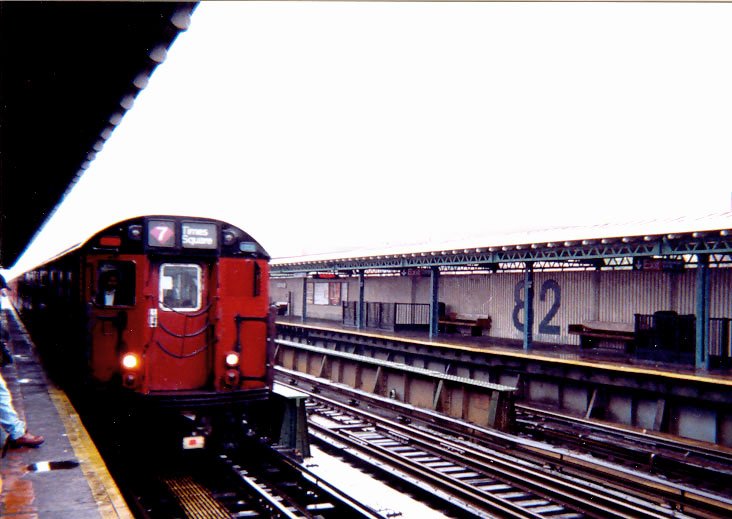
[[170, 236], [196, 235], [161, 233]]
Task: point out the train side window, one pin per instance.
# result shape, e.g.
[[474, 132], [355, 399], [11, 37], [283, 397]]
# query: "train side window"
[[180, 287], [116, 285], [257, 280]]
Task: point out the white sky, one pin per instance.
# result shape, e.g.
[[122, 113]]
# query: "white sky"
[[319, 126]]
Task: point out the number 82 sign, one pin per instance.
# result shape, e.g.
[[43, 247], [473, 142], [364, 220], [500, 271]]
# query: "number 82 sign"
[[550, 285]]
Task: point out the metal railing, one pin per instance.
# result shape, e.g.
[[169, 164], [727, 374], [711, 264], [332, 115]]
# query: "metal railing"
[[672, 337], [720, 342], [665, 336], [388, 316]]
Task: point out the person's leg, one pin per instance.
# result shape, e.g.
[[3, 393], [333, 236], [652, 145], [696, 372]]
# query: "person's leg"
[[9, 419]]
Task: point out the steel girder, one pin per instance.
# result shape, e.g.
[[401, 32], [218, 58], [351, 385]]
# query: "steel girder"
[[719, 247]]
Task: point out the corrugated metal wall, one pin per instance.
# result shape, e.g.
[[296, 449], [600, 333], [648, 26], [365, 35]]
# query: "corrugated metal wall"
[[720, 283], [560, 298], [569, 297], [577, 297], [482, 296], [278, 289], [389, 290], [467, 295], [624, 293]]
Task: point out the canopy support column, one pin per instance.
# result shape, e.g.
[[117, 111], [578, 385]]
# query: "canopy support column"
[[528, 305], [304, 299], [360, 317], [434, 301], [702, 311]]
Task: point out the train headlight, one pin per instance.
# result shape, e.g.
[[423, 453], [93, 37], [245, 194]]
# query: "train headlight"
[[130, 361], [229, 237], [232, 359], [135, 232]]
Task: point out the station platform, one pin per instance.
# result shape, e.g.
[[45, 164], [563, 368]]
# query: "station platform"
[[564, 354], [65, 477]]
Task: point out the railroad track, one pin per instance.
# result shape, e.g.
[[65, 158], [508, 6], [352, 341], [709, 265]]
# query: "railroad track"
[[252, 482], [477, 481], [650, 494], [685, 461]]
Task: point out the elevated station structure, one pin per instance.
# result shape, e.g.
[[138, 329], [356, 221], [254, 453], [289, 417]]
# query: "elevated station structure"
[[665, 285], [68, 73]]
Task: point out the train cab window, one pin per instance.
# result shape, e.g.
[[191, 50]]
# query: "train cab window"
[[116, 285], [180, 287]]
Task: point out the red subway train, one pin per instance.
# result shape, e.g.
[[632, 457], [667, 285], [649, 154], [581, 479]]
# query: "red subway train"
[[166, 313]]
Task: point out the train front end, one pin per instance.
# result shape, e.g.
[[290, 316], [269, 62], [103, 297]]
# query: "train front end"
[[179, 320]]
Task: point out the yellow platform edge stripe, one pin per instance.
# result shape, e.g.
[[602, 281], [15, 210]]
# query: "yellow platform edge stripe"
[[488, 350], [110, 503]]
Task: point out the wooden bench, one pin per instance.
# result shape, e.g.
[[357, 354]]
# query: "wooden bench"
[[466, 326], [604, 334]]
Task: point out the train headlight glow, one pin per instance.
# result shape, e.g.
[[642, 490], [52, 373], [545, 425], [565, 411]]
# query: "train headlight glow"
[[130, 361], [232, 359]]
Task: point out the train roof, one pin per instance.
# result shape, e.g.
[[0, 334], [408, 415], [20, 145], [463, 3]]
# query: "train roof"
[[179, 234], [244, 243]]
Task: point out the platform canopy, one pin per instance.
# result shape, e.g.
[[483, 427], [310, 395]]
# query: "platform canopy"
[[658, 244], [68, 73]]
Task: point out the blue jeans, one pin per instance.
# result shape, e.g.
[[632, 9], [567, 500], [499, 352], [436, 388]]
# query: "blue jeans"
[[9, 419]]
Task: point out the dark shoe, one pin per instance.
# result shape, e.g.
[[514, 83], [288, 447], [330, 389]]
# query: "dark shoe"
[[27, 440]]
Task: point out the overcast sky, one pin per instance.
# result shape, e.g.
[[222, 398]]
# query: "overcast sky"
[[320, 126]]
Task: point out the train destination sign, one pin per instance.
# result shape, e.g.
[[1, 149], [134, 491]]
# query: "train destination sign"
[[196, 235]]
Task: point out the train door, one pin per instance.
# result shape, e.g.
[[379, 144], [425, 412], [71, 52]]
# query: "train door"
[[111, 290], [179, 356]]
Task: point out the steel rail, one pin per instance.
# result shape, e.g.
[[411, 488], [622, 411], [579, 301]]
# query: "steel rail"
[[275, 505], [281, 501], [364, 510], [656, 444], [453, 493], [254, 481], [643, 486], [591, 500]]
